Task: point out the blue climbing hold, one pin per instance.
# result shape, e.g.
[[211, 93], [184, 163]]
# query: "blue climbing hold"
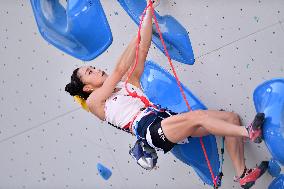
[[269, 98], [277, 183], [81, 30], [161, 88], [274, 168], [104, 171], [175, 35]]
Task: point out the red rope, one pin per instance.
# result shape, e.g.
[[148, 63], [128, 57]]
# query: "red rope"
[[134, 94]]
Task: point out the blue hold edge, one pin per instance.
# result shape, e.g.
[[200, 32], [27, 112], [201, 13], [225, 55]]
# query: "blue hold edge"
[[269, 98], [277, 183], [161, 88], [81, 30], [274, 168], [175, 35]]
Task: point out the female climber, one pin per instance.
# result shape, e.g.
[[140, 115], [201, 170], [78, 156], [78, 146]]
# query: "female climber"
[[107, 98]]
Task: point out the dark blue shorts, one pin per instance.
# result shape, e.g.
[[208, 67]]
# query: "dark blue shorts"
[[149, 127]]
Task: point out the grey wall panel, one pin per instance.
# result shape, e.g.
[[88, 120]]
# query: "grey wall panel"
[[47, 141]]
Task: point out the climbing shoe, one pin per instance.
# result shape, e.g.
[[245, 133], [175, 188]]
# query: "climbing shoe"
[[255, 128], [248, 178]]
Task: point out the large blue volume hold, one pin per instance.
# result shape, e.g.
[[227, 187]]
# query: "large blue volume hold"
[[175, 35], [269, 98], [81, 30], [161, 88]]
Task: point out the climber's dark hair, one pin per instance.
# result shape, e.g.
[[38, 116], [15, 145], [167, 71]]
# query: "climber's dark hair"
[[75, 87]]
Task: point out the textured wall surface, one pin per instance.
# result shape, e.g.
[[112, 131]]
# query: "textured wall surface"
[[47, 141]]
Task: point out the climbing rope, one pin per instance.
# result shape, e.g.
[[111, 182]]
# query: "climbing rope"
[[133, 94]]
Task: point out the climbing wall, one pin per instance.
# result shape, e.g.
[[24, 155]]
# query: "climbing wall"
[[47, 141]]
